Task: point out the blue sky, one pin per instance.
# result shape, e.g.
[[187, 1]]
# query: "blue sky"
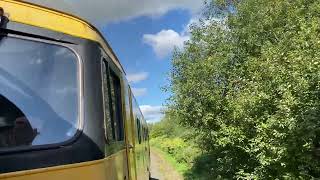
[[147, 68], [138, 57], [143, 34]]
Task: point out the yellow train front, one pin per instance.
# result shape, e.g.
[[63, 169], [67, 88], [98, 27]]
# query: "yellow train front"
[[66, 109]]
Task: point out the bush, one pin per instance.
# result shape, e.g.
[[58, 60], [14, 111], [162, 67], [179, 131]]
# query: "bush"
[[167, 127], [175, 141], [249, 83], [180, 150]]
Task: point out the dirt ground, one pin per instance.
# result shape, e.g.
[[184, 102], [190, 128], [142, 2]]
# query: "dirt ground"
[[161, 169]]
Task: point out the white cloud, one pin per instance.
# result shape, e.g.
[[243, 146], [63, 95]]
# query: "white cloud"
[[103, 11], [152, 113], [165, 41], [137, 77], [139, 91]]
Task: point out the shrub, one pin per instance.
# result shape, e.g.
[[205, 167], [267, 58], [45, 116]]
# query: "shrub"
[[249, 83]]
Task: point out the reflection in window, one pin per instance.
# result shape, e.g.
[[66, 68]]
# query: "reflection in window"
[[15, 128], [38, 93]]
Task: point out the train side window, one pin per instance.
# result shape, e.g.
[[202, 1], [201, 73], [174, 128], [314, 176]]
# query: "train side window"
[[108, 121], [139, 130], [117, 106], [144, 134], [114, 128]]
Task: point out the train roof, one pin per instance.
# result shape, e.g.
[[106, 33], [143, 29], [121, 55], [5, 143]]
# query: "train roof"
[[44, 17]]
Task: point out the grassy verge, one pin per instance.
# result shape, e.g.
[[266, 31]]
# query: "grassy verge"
[[182, 168], [178, 152], [184, 156], [178, 145]]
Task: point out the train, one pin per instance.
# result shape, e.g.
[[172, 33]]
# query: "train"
[[66, 108]]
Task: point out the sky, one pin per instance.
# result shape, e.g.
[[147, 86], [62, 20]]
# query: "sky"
[[143, 34]]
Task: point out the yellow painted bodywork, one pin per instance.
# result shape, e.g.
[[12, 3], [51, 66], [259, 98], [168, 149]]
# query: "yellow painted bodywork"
[[98, 170], [29, 14]]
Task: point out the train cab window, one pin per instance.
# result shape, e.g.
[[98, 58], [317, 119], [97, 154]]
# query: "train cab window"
[[114, 128], [39, 94]]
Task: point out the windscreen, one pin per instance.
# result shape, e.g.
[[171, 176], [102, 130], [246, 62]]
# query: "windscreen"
[[39, 93]]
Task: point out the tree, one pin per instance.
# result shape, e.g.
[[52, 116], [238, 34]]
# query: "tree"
[[249, 82], [167, 127]]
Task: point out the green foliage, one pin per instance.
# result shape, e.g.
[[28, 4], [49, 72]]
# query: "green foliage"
[[176, 142], [181, 150], [174, 139], [249, 83], [168, 127]]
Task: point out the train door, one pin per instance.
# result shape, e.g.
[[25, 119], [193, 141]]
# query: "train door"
[[116, 155]]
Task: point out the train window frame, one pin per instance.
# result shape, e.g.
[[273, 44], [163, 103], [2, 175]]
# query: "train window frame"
[[79, 75], [115, 144]]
